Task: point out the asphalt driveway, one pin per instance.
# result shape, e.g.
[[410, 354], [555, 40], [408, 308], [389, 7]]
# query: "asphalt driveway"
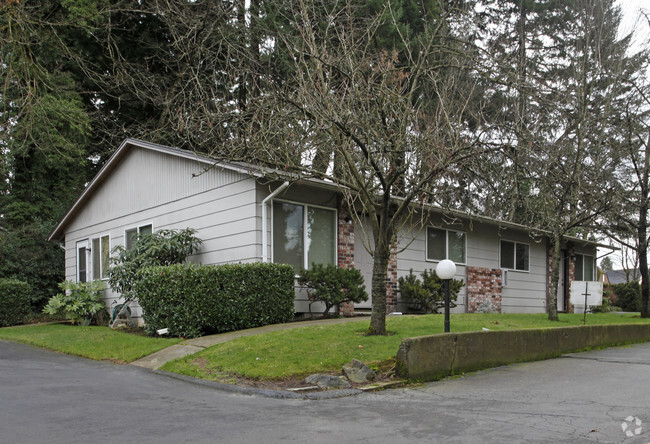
[[54, 398]]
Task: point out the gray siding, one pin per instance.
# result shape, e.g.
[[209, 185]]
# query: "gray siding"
[[525, 292], [149, 187]]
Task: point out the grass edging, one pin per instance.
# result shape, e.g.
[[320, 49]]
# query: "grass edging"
[[93, 342], [428, 358]]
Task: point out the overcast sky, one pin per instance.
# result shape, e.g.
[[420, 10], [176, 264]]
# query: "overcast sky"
[[632, 17]]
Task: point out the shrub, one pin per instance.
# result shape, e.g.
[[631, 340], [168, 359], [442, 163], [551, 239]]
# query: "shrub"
[[605, 307], [428, 295], [15, 298], [164, 247], [628, 296], [79, 302], [192, 300], [332, 285]]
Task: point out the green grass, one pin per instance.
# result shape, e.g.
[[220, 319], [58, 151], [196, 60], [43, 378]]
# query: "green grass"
[[92, 342], [299, 352]]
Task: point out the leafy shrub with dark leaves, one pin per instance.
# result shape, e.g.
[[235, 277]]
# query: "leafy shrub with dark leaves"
[[15, 298], [428, 294], [164, 247], [628, 296], [191, 300], [332, 285]]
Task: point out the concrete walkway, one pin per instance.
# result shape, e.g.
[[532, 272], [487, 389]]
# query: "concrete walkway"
[[191, 346]]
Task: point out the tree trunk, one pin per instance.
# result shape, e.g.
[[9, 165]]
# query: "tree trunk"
[[555, 279], [643, 257], [379, 275], [643, 236]]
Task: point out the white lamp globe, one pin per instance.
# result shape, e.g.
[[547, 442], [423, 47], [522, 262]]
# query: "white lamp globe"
[[446, 269]]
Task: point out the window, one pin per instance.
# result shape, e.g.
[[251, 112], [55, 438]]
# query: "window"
[[82, 261], [131, 235], [515, 256], [101, 251], [584, 267], [445, 244], [303, 234]]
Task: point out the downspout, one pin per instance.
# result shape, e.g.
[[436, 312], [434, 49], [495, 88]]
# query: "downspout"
[[264, 230]]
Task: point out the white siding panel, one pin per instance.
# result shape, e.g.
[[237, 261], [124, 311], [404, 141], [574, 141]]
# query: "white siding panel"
[[155, 188], [145, 179]]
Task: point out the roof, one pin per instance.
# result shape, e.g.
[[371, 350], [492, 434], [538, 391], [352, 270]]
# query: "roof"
[[619, 276], [129, 144], [257, 172], [114, 160]]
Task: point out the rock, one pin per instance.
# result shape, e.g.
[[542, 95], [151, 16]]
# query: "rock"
[[357, 371], [328, 381], [487, 307]]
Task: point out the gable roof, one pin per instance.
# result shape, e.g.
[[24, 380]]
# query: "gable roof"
[[125, 147], [257, 172], [620, 277]]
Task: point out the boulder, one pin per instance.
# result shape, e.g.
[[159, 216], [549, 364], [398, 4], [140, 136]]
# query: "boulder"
[[328, 381], [357, 371]]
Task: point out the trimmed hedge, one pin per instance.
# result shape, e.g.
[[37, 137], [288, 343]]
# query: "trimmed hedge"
[[192, 300], [15, 299]]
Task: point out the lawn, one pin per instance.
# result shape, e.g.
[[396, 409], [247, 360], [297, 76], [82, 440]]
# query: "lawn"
[[89, 342], [299, 352]]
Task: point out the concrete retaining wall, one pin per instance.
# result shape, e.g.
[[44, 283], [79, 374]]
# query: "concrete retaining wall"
[[437, 356]]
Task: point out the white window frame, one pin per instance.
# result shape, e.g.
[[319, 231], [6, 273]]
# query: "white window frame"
[[593, 263], [84, 243], [447, 231], [137, 230], [92, 256], [305, 257], [514, 255]]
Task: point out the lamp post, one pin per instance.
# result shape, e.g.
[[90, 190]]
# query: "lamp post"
[[446, 270]]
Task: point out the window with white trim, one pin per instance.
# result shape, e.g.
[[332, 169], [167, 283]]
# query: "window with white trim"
[[101, 251], [584, 267], [515, 256], [132, 234], [303, 234], [445, 244]]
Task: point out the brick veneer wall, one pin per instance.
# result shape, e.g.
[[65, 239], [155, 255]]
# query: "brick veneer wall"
[[571, 275], [483, 285], [391, 282], [345, 251]]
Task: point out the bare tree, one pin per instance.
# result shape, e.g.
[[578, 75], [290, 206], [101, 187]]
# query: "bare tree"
[[397, 128]]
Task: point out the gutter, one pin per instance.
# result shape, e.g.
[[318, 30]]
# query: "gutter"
[[264, 203]]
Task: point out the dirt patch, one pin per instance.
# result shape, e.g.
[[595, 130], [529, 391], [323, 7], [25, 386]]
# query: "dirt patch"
[[385, 373]]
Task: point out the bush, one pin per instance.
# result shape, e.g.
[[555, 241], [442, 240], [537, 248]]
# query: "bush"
[[79, 302], [605, 307], [27, 256], [164, 247], [332, 285], [428, 295], [192, 300], [15, 298], [628, 296]]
